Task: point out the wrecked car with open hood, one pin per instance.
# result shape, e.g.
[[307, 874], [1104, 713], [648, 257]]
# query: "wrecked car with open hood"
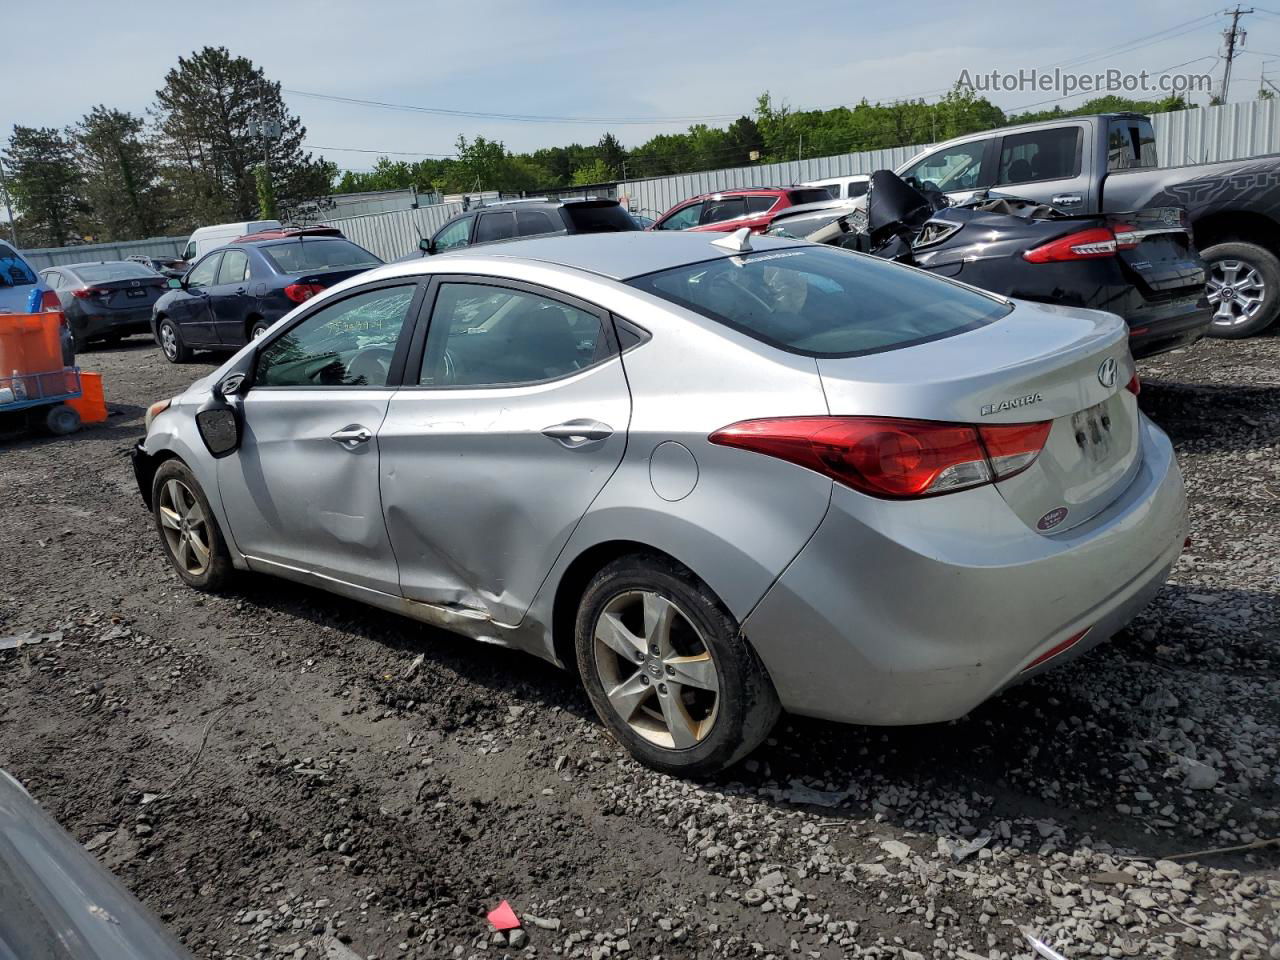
[[1140, 265]]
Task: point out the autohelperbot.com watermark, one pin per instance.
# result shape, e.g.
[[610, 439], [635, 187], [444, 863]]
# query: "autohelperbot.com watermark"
[[1066, 83]]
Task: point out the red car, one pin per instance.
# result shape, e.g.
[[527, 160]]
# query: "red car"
[[730, 210]]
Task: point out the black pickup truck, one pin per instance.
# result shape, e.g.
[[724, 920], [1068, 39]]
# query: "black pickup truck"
[[1108, 163]]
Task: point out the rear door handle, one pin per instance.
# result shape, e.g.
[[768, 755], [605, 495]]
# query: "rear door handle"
[[579, 433], [352, 437], [1066, 199]]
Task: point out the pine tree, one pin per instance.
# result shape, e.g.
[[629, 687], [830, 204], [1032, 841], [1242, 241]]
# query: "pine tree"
[[45, 185]]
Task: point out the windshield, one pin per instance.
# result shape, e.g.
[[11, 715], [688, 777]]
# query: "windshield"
[[14, 271], [313, 256], [106, 272], [823, 302]]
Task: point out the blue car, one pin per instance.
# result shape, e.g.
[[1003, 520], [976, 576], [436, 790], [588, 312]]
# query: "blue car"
[[234, 294], [23, 291]]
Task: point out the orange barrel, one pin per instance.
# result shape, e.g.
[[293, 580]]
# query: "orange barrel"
[[91, 404], [30, 343]]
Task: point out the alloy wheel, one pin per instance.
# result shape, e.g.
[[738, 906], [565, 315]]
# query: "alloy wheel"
[[1237, 291], [168, 340], [185, 527], [656, 669]]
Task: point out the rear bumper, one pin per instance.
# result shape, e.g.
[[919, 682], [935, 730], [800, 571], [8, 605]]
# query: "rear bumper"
[[1159, 328], [907, 613], [90, 325]]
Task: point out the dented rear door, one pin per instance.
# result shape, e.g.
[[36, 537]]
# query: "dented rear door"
[[513, 416]]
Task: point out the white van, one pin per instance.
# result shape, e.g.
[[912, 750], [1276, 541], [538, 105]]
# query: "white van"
[[220, 234], [843, 188]]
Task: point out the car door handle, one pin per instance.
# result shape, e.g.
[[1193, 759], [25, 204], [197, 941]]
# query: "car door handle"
[[1066, 199], [579, 433], [351, 437]]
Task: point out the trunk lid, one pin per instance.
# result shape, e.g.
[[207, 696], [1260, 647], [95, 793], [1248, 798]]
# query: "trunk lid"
[[130, 294], [1163, 265], [1040, 363]]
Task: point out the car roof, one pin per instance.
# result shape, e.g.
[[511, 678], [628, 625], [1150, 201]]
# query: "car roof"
[[618, 256]]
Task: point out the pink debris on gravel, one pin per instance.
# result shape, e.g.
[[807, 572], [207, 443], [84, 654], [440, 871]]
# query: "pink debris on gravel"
[[503, 917]]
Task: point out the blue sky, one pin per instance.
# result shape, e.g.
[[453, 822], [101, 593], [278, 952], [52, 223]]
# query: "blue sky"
[[603, 59]]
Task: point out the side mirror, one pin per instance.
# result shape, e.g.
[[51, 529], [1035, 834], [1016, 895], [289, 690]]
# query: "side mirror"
[[219, 428], [175, 283], [427, 245]]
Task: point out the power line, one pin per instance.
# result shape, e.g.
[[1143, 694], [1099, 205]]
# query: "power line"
[[517, 117], [1232, 34]]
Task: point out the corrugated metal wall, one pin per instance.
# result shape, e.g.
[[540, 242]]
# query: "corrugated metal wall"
[[1229, 132], [392, 235], [654, 197], [153, 247]]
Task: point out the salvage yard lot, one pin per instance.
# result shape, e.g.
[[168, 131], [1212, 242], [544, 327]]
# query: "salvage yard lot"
[[277, 770]]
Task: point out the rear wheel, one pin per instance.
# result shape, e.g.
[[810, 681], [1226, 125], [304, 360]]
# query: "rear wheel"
[[1243, 288], [175, 351], [188, 529], [258, 328], [667, 669]]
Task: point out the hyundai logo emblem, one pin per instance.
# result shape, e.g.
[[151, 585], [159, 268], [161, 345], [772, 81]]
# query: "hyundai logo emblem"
[[1107, 372]]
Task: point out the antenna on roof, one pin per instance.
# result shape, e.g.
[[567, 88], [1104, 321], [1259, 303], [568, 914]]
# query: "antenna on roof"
[[739, 241]]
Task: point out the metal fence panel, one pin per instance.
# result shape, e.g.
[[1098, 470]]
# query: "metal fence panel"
[[394, 234], [153, 247], [1232, 131]]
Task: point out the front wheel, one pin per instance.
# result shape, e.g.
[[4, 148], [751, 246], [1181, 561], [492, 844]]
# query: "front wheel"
[[188, 529], [667, 669], [1243, 288], [175, 351]]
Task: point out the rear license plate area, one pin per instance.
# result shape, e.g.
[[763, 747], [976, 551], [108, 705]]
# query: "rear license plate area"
[[136, 293], [1092, 429]]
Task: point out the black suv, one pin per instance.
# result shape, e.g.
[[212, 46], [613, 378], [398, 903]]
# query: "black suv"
[[506, 220]]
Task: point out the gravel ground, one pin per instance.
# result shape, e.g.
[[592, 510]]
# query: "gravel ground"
[[278, 772]]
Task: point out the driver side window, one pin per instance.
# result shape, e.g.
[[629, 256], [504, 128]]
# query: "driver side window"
[[682, 219], [203, 273], [346, 344], [456, 234], [954, 168]]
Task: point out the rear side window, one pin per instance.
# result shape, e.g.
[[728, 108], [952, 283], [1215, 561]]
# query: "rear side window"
[[824, 303], [495, 226], [1131, 144], [813, 195], [718, 211], [530, 223], [1040, 155], [312, 256], [598, 217], [14, 271], [760, 204]]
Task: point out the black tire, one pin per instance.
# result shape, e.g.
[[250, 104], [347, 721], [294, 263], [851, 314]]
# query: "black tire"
[[112, 339], [61, 420], [169, 336], [80, 341], [1253, 261], [746, 707], [257, 329], [217, 569]]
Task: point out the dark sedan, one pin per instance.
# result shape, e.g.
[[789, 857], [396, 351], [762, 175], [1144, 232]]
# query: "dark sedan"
[[105, 301], [233, 294]]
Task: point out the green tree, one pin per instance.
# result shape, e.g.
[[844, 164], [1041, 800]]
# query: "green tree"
[[266, 192], [45, 185], [121, 175], [203, 114], [597, 171]]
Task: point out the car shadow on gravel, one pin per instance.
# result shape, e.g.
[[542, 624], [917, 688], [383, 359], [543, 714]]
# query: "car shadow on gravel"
[[123, 423], [1215, 417]]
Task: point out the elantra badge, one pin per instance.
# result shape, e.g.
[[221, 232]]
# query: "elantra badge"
[[1001, 406], [1108, 372]]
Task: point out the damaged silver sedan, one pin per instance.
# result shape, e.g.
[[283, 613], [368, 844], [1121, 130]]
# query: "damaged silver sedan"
[[718, 481]]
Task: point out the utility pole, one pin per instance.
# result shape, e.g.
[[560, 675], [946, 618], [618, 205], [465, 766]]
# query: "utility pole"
[[4, 189], [1233, 35]]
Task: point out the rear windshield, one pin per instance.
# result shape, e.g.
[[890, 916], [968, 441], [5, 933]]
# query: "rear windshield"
[[312, 256], [813, 195], [822, 302], [14, 271], [106, 272], [602, 218]]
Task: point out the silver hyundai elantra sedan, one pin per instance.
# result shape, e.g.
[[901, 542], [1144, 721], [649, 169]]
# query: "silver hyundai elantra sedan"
[[720, 476]]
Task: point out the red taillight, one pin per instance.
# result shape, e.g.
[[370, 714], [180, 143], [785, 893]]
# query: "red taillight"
[[1083, 245], [49, 302], [891, 457], [302, 292], [83, 293], [1134, 385]]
